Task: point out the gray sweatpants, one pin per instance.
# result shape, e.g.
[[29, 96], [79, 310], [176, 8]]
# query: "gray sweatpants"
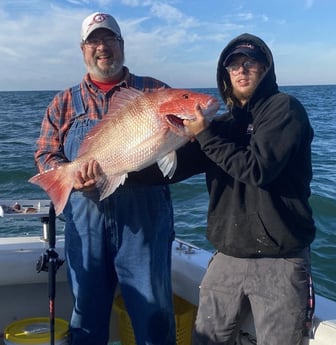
[[275, 288]]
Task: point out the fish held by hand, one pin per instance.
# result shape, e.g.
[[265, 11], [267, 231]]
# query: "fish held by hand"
[[141, 128]]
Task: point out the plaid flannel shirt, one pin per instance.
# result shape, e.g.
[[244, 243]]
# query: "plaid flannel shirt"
[[60, 115]]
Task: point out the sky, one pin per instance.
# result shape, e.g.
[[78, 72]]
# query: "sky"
[[176, 41]]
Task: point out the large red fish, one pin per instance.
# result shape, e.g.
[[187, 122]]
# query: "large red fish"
[[141, 129]]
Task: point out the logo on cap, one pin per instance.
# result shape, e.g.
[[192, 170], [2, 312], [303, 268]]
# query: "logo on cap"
[[245, 45], [99, 18]]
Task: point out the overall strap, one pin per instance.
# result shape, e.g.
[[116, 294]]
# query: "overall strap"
[[138, 82], [77, 101]]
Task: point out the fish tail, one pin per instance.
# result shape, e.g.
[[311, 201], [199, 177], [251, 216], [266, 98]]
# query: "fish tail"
[[57, 183]]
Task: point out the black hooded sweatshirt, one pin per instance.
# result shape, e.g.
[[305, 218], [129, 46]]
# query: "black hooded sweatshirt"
[[257, 161]]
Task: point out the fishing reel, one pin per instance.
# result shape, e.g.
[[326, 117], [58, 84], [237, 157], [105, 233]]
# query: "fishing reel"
[[45, 259], [49, 261]]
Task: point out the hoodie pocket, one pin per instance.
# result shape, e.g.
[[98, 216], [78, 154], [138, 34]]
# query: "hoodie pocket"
[[243, 236]]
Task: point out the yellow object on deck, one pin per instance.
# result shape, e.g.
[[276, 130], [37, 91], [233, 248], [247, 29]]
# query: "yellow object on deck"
[[185, 314], [35, 331]]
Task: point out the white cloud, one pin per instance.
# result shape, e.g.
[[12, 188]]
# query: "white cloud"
[[246, 16], [175, 41], [136, 3], [309, 3]]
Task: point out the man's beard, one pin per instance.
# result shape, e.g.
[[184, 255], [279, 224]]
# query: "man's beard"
[[112, 71]]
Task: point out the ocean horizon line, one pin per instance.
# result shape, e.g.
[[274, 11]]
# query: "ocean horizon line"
[[190, 88]]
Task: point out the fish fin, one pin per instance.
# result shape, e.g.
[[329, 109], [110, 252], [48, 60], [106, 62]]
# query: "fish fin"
[[107, 185], [57, 183], [123, 97], [167, 164]]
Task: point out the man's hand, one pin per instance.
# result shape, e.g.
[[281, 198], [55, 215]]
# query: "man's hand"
[[198, 125], [87, 177]]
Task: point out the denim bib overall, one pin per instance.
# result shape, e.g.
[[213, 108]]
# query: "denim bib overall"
[[126, 239]]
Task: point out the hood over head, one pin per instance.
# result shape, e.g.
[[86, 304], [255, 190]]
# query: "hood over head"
[[254, 47]]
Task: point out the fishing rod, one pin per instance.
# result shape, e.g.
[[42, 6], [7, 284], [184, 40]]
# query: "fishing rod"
[[50, 262]]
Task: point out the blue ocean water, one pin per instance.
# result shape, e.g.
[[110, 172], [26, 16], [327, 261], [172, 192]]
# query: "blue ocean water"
[[21, 114]]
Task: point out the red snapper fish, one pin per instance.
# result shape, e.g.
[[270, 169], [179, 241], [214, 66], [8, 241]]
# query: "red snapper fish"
[[142, 128]]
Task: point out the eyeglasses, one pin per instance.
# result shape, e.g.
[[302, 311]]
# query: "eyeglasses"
[[249, 64], [108, 41]]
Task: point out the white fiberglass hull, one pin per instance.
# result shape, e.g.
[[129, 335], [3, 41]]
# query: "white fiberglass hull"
[[24, 292]]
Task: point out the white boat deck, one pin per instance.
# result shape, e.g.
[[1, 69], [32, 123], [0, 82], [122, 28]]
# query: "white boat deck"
[[24, 292]]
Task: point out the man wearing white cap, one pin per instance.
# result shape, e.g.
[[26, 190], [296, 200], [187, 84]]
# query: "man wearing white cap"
[[126, 238]]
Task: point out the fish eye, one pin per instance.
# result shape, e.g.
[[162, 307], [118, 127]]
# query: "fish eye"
[[185, 96]]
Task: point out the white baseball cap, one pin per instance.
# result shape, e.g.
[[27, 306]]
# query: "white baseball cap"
[[99, 20]]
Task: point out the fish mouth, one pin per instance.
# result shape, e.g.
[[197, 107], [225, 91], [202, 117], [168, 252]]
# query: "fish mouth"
[[175, 120], [209, 110]]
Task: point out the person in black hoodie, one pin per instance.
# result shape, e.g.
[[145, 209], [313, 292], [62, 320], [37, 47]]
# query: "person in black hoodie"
[[257, 160]]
